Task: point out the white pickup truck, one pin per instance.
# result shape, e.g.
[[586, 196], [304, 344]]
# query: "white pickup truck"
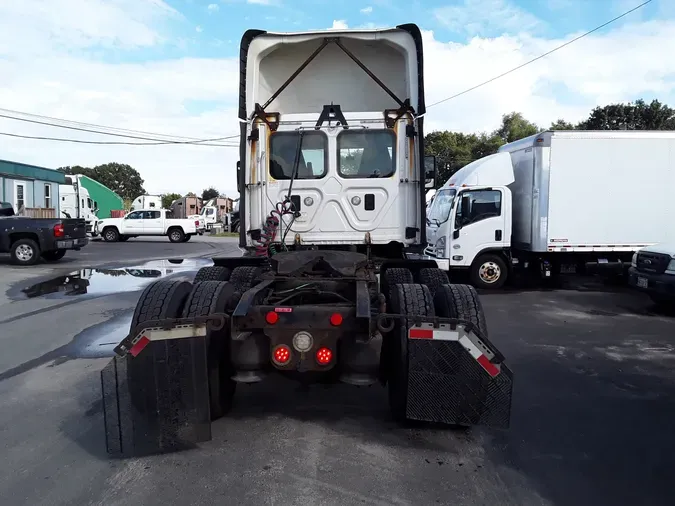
[[147, 222]]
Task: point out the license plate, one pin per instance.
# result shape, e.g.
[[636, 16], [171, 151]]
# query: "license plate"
[[64, 244], [642, 282]]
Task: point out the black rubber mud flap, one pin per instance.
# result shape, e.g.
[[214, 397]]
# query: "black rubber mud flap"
[[446, 383], [158, 401]]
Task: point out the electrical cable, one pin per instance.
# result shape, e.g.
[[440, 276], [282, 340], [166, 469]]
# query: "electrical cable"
[[120, 143], [538, 57], [9, 112], [110, 133]]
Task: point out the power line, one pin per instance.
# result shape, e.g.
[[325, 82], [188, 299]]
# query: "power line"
[[109, 133], [540, 56], [120, 143], [94, 125]]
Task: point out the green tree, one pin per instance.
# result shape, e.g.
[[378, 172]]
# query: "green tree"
[[631, 116], [561, 124], [210, 193], [515, 127], [168, 198], [454, 150], [121, 178], [190, 194]]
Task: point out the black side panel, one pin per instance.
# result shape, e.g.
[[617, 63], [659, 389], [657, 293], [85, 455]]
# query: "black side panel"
[[246, 40], [415, 33], [157, 401]]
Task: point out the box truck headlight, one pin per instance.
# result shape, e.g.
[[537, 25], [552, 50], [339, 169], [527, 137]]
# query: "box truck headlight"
[[633, 262], [440, 247], [671, 266]]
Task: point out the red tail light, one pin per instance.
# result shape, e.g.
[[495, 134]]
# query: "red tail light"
[[282, 354], [324, 356], [58, 230], [336, 319], [197, 223], [271, 317]]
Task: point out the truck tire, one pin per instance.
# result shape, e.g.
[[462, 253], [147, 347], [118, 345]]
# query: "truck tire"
[[245, 277], [24, 252], [461, 302], [433, 278], [176, 235], [406, 299], [212, 273], [160, 300], [395, 276], [206, 298], [489, 272], [187, 237], [110, 234], [53, 255]]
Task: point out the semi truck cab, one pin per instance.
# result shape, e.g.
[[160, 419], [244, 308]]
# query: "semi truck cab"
[[469, 222]]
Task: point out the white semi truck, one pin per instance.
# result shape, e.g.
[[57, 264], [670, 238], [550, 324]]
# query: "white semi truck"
[[332, 183], [556, 201], [77, 203]]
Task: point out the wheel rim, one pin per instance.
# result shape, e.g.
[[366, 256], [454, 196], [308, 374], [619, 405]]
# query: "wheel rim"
[[489, 272], [110, 236], [175, 236], [24, 253]]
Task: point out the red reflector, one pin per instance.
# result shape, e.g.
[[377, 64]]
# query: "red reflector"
[[282, 354], [324, 356], [421, 334], [489, 367], [58, 230], [139, 346], [336, 319], [271, 317], [197, 224]]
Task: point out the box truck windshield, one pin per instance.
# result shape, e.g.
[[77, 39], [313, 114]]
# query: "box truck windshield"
[[442, 205]]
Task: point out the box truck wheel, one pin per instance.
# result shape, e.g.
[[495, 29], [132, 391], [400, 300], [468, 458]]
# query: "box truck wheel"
[[212, 273], [489, 271]]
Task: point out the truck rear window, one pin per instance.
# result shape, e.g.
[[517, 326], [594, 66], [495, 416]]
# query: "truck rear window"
[[366, 154], [312, 159]]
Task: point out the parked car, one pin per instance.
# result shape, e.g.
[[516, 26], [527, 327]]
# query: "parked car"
[[29, 239], [148, 222], [653, 271]]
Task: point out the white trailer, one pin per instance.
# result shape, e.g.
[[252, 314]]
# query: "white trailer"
[[147, 202], [555, 201]]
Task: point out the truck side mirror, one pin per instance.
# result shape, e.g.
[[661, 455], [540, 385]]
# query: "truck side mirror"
[[239, 181], [429, 171]]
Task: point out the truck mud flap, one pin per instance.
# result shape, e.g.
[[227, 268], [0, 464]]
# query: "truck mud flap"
[[456, 377], [157, 400]]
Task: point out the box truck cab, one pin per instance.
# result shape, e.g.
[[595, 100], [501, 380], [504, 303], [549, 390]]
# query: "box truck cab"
[[147, 202], [469, 221]]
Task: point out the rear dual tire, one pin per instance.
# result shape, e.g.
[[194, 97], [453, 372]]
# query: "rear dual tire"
[[175, 299], [449, 301]]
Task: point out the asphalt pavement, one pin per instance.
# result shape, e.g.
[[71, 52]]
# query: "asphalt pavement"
[[592, 420]]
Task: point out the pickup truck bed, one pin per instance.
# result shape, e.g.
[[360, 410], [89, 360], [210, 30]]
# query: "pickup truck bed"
[[29, 239]]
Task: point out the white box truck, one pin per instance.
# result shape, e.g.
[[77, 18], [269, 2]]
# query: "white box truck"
[[555, 201]]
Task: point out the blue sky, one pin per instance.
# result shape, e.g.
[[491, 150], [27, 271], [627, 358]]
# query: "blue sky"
[[171, 67]]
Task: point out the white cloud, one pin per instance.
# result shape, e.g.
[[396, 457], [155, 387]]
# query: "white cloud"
[[56, 71], [367, 10], [213, 8], [199, 29], [339, 24], [475, 17]]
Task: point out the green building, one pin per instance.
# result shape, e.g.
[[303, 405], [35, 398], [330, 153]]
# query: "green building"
[[28, 186], [107, 199]]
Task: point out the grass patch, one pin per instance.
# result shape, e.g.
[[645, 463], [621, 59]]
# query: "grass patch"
[[224, 234]]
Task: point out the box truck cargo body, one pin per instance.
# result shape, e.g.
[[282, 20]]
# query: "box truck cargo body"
[[557, 200]]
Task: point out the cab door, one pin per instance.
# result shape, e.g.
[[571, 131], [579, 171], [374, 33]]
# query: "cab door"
[[133, 223], [480, 224], [153, 223]]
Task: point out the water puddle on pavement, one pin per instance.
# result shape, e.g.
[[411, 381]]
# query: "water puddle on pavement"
[[113, 280]]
